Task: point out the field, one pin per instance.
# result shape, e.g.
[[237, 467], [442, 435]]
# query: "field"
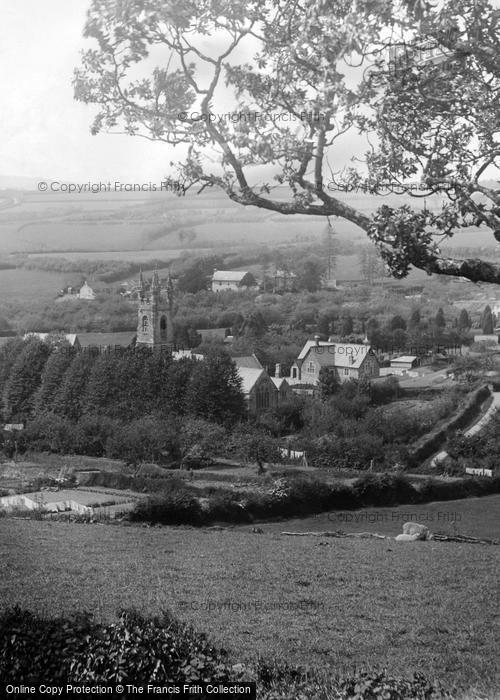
[[335, 604], [25, 285], [126, 222]]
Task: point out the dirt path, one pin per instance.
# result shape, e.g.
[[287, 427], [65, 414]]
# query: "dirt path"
[[476, 427]]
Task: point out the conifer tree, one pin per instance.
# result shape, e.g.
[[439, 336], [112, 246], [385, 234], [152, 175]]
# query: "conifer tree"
[[487, 321], [214, 391], [25, 378]]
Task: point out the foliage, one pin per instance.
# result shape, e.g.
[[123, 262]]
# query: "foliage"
[[487, 324], [25, 378], [134, 649], [253, 444], [328, 382], [145, 439], [214, 390], [178, 508]]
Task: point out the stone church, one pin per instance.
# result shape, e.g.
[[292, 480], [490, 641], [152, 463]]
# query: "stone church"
[[154, 325]]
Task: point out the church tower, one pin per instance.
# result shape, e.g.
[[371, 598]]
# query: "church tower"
[[154, 324]]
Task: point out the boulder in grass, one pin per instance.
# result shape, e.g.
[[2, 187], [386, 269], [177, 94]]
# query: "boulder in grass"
[[417, 529], [407, 538]]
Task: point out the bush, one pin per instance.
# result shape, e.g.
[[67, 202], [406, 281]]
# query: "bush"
[[178, 508], [384, 490], [78, 650], [224, 507]]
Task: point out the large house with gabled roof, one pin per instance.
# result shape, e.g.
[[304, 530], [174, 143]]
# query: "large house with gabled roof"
[[347, 360], [232, 280]]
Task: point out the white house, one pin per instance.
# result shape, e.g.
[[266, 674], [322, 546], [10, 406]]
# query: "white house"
[[347, 360], [233, 280], [86, 292]]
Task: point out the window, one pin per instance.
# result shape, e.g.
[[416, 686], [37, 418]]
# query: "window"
[[310, 367], [263, 399], [163, 327], [145, 324], [346, 372]]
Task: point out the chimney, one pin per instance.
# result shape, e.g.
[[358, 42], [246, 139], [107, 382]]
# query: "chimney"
[[316, 340], [277, 370]]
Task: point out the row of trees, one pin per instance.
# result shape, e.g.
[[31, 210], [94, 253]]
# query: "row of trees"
[[38, 378]]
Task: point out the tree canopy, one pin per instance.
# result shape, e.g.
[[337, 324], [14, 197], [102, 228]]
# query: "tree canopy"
[[303, 76]]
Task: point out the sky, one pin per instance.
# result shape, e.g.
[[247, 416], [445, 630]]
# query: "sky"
[[45, 132]]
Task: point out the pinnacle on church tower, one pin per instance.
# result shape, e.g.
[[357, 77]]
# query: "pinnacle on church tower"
[[154, 323], [142, 287]]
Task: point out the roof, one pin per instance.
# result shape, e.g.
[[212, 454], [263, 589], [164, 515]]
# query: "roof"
[[229, 275], [70, 337], [249, 361], [219, 333], [249, 377], [123, 339], [405, 358], [279, 381], [329, 354]]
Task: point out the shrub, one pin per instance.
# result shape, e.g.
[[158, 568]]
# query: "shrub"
[[224, 507], [384, 490], [77, 650], [177, 508]]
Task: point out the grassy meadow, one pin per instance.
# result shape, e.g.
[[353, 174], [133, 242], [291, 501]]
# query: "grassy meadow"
[[24, 285], [331, 603], [117, 222]]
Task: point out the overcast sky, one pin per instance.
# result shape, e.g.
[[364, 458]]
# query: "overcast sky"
[[45, 133]]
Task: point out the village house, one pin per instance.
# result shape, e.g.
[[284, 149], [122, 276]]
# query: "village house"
[[347, 360], [232, 280], [86, 292]]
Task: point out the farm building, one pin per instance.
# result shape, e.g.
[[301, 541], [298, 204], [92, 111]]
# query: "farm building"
[[404, 363], [211, 334], [232, 280], [347, 360]]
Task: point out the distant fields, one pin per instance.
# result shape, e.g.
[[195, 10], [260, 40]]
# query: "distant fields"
[[335, 604], [129, 222], [24, 285]]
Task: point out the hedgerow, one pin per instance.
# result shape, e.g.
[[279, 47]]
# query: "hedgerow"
[[300, 497]]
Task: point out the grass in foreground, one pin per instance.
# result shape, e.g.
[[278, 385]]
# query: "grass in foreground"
[[429, 607]]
